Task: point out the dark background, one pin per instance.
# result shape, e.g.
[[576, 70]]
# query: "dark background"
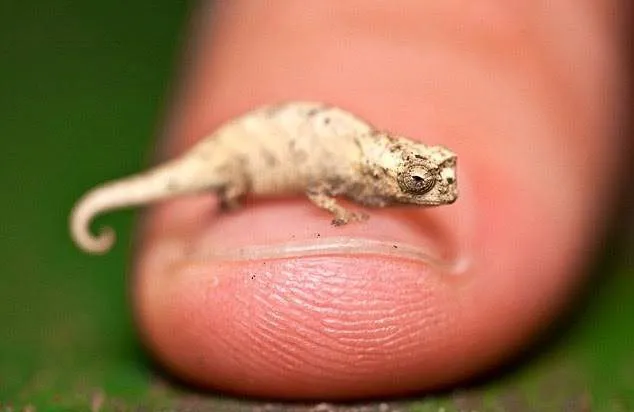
[[83, 85]]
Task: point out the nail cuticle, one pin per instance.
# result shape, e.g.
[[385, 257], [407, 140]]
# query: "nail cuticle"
[[332, 246]]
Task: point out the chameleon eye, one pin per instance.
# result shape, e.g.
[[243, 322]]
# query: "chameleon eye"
[[416, 180]]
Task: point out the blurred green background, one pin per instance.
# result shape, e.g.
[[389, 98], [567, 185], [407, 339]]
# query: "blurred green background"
[[82, 90]]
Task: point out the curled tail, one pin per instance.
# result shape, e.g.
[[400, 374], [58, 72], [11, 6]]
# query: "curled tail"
[[181, 176]]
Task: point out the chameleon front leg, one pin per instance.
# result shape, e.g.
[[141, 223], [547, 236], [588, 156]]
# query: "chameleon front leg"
[[236, 185], [322, 196], [232, 195]]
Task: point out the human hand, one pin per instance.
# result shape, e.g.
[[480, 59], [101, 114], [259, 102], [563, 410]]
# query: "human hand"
[[523, 94]]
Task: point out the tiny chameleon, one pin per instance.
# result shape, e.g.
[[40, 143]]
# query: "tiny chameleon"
[[309, 148]]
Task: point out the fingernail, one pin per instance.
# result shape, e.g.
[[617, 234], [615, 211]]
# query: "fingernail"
[[295, 228]]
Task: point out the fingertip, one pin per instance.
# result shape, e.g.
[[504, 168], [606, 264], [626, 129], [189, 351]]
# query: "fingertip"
[[345, 327], [314, 327]]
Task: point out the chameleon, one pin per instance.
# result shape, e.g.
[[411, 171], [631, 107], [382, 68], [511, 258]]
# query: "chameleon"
[[295, 148]]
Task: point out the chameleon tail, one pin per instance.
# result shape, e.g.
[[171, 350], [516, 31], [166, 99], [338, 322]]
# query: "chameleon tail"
[[181, 176]]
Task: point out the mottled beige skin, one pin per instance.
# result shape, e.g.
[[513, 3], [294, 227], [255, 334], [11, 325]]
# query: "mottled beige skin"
[[292, 148]]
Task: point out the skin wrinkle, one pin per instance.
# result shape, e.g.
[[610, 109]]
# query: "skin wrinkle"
[[307, 335], [308, 332], [356, 376], [321, 362], [235, 341], [331, 337], [369, 335], [364, 319], [281, 357], [397, 340], [322, 357], [346, 336], [317, 266], [365, 341]]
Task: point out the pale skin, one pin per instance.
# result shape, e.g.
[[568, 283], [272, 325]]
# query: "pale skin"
[[296, 147], [524, 92]]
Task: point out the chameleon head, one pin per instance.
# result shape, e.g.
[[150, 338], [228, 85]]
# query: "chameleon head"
[[413, 173], [428, 177]]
